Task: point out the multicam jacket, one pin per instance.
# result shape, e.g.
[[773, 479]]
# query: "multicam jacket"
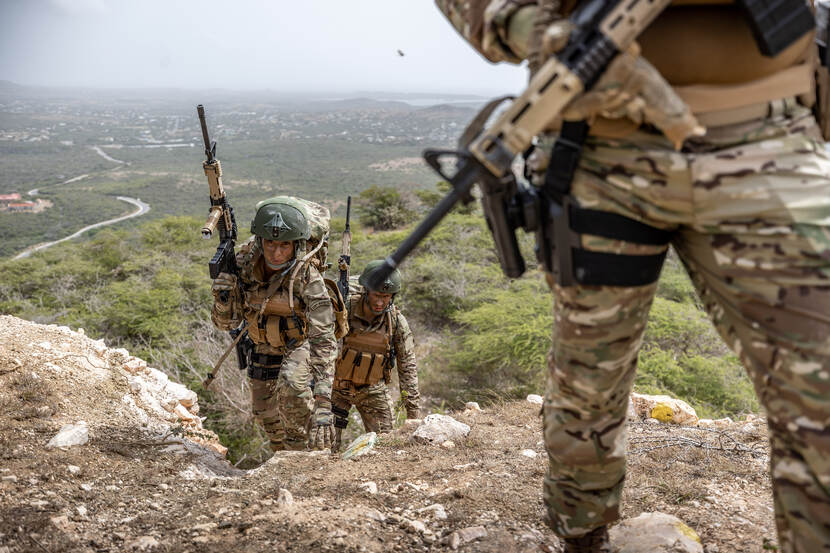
[[274, 329]]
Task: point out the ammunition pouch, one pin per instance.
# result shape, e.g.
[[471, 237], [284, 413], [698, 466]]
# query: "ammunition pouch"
[[338, 305], [275, 324], [341, 416], [264, 367], [365, 356]]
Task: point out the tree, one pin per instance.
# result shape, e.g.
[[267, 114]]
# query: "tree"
[[384, 208]]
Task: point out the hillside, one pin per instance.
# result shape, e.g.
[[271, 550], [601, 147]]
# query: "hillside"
[[141, 482]]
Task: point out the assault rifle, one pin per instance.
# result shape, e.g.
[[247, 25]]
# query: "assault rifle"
[[345, 261], [601, 30], [224, 260]]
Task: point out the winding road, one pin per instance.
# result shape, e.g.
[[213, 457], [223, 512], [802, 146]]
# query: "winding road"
[[142, 209]]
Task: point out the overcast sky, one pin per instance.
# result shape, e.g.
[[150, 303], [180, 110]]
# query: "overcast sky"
[[307, 45]]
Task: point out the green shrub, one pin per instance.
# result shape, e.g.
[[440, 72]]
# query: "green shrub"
[[714, 386], [384, 208]]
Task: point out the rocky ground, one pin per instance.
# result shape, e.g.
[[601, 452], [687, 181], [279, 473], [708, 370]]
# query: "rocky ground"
[[149, 478]]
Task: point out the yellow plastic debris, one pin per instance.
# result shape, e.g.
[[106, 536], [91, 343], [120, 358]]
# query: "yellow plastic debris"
[[688, 532], [662, 412]]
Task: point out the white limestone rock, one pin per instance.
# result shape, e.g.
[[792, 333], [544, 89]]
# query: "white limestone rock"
[[655, 533], [69, 435], [664, 408], [437, 429]]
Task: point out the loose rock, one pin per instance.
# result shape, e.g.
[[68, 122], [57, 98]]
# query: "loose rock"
[[529, 453], [69, 435], [437, 429], [465, 535], [535, 399], [664, 409], [655, 533], [285, 497], [369, 487]]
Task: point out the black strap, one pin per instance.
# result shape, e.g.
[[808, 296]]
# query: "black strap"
[[564, 158], [265, 360], [617, 227], [609, 269], [341, 416], [263, 373]]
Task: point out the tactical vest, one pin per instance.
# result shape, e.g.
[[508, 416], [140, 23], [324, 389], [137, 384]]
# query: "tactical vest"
[[270, 320], [365, 355]]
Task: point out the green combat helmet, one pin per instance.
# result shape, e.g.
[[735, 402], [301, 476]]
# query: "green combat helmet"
[[392, 284], [280, 218]]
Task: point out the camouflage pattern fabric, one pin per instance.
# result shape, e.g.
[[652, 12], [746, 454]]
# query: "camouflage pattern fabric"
[[292, 398], [373, 399], [264, 408], [372, 402], [484, 23], [750, 207]]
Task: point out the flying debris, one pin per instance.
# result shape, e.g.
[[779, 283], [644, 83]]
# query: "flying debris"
[[400, 53]]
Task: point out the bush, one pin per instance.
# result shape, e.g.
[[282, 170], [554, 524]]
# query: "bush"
[[714, 386], [384, 208]]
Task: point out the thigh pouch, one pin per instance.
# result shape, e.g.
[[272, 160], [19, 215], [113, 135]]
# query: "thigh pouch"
[[559, 249]]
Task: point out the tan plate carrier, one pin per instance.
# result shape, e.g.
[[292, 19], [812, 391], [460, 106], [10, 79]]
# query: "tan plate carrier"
[[365, 355]]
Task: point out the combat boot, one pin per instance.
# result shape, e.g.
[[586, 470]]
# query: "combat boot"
[[595, 541]]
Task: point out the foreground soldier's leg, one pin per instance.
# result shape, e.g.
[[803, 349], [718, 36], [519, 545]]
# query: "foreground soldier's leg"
[[597, 335], [375, 407], [264, 408], [765, 280], [294, 396]]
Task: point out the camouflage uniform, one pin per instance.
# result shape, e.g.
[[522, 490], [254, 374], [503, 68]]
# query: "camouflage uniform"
[[749, 205], [373, 401], [283, 405]]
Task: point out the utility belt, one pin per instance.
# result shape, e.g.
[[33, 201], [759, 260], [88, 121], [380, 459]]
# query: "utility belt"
[[264, 367], [563, 222]]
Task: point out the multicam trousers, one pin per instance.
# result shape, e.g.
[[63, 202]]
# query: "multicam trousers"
[[373, 403], [750, 207], [283, 406]]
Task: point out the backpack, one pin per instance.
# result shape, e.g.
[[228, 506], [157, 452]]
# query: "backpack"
[[319, 222]]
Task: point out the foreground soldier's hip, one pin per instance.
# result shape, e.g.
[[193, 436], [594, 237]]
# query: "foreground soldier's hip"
[[747, 207]]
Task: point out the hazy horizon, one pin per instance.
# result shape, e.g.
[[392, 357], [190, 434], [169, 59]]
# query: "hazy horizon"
[[320, 47]]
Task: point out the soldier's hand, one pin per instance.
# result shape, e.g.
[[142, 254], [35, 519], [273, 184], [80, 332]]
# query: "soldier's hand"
[[322, 425], [224, 282]]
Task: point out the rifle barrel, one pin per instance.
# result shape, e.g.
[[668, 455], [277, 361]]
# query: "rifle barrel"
[[200, 109], [462, 182]]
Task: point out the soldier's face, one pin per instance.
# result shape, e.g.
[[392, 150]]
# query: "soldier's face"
[[277, 253], [377, 301]]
